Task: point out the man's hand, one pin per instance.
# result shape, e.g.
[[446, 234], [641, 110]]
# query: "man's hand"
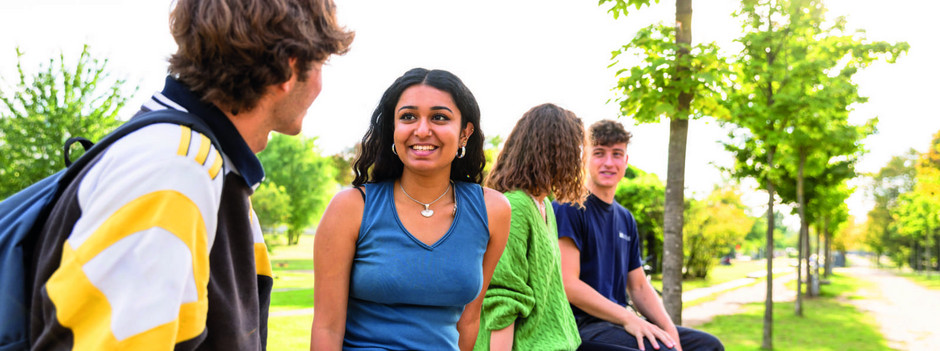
[[641, 329]]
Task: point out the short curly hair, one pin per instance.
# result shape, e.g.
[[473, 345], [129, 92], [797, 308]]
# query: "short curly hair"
[[230, 51], [543, 155], [608, 133]]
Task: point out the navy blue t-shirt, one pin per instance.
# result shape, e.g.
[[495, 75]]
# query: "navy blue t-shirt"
[[607, 237]]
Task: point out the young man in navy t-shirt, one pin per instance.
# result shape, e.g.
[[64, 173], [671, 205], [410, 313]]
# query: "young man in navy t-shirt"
[[601, 266]]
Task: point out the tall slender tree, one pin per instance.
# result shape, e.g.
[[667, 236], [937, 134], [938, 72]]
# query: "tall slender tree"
[[778, 95], [678, 81]]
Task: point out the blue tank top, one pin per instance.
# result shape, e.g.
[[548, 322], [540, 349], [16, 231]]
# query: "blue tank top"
[[404, 294]]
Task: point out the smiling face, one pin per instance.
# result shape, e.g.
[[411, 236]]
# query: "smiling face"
[[607, 165], [427, 129]]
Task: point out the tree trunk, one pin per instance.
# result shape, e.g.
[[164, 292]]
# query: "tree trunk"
[[828, 250], [815, 286], [675, 176], [767, 342], [927, 252], [803, 233]]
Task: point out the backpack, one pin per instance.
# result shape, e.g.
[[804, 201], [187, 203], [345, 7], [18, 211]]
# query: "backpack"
[[23, 214]]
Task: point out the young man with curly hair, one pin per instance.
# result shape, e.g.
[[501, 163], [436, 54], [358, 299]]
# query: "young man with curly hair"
[[154, 245], [601, 266]]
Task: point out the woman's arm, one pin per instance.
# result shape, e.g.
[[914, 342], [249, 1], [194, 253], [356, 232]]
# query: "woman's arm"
[[498, 214], [333, 249], [501, 340]]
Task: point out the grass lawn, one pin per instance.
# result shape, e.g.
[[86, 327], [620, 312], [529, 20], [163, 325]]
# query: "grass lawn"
[[293, 275], [827, 324], [289, 333], [285, 279], [722, 274], [931, 282]]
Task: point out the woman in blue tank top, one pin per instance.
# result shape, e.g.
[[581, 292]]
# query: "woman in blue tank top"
[[402, 260]]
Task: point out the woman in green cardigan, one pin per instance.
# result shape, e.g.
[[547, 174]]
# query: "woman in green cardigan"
[[525, 307]]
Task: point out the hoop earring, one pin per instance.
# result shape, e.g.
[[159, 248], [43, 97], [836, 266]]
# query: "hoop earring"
[[462, 151], [393, 150]]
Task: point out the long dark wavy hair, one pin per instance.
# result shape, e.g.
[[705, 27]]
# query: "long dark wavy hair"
[[543, 154], [376, 162]]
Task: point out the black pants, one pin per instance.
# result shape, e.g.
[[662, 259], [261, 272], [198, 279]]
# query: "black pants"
[[601, 335]]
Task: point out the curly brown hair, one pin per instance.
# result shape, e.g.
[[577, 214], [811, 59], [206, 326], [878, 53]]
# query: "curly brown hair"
[[608, 132], [543, 155], [230, 51]]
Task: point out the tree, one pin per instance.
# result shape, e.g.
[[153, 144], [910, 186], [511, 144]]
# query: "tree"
[[756, 240], [713, 227], [308, 179], [272, 204], [677, 81], [917, 216], [40, 113], [343, 162], [491, 150], [778, 89], [892, 180]]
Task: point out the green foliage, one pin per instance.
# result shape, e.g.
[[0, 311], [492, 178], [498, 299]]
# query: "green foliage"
[[272, 204], [755, 242], [790, 95], [917, 214], [651, 90], [343, 163], [892, 180], [622, 7], [491, 151], [41, 112], [905, 222], [712, 228], [308, 179], [792, 84], [644, 195]]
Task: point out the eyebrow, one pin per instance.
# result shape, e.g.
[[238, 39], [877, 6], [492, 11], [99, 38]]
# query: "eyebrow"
[[409, 107]]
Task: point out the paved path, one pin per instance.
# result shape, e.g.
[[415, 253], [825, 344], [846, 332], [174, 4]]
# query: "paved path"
[[732, 301], [907, 314]]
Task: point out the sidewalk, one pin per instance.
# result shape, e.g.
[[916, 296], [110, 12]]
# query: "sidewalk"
[[699, 293], [908, 314], [731, 301]]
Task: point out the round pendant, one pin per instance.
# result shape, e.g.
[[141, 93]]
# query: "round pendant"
[[427, 213]]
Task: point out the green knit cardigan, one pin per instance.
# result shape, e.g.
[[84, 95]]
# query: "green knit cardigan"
[[527, 288]]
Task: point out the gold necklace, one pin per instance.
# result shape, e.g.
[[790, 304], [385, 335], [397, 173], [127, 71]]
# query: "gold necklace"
[[427, 212]]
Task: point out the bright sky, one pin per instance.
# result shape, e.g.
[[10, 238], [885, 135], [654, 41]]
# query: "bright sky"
[[512, 54]]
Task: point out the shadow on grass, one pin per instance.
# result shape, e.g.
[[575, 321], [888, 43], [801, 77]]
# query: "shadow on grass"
[[291, 300]]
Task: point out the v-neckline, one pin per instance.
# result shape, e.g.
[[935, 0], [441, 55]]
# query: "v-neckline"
[[453, 224], [537, 211]]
